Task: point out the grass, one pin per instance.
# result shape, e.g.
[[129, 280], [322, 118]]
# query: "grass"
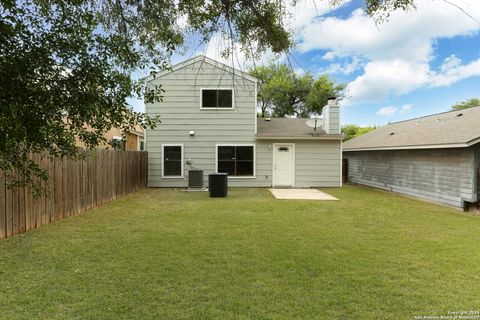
[[166, 254]]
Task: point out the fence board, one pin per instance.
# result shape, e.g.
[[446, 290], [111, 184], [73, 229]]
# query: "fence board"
[[43, 216], [21, 210], [15, 212], [35, 210], [3, 216], [57, 189], [51, 186], [74, 186], [28, 210], [9, 213]]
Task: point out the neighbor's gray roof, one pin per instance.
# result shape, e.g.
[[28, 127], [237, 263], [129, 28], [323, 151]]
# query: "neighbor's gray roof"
[[454, 129], [289, 128]]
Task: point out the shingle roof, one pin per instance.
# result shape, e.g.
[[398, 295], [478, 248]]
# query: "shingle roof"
[[294, 128], [444, 130]]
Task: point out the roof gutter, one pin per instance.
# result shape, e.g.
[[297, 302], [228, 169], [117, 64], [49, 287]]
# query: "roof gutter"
[[329, 137], [430, 146]]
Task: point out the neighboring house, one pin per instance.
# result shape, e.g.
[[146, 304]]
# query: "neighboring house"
[[209, 122], [435, 157], [134, 140]]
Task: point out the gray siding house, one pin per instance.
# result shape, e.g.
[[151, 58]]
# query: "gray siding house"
[[435, 158], [209, 122]]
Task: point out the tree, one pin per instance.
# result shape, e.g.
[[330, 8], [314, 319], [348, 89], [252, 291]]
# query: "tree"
[[351, 131], [65, 66], [323, 89], [469, 103], [264, 74], [283, 93]]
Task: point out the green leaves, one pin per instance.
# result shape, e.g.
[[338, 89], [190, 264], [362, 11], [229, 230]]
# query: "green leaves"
[[469, 103], [284, 93], [351, 131], [62, 82]]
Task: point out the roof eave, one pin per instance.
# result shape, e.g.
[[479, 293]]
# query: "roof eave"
[[137, 133], [326, 137], [430, 146]]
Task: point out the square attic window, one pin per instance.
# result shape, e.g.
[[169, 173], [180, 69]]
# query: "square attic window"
[[217, 99]]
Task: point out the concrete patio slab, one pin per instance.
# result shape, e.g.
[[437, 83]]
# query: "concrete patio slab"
[[301, 194]]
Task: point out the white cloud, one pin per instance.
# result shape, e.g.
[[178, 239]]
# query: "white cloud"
[[299, 71], [398, 52], [346, 68], [407, 35], [453, 71], [387, 111], [383, 78], [451, 62], [219, 44], [304, 12], [406, 108], [329, 56]]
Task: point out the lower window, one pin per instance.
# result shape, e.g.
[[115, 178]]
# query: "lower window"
[[172, 161], [237, 161]]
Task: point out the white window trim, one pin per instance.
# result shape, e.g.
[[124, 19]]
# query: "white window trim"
[[341, 164], [238, 145], [255, 108], [218, 109], [273, 161], [163, 158]]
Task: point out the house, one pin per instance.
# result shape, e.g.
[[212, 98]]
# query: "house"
[[434, 157], [133, 140], [209, 122]]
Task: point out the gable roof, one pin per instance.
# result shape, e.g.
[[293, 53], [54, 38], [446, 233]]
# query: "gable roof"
[[204, 59], [290, 128], [453, 129]]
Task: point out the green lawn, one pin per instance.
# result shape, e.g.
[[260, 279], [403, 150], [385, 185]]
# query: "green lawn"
[[166, 254]]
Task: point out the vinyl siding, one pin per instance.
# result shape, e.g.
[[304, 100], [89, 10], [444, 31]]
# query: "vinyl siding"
[[331, 119], [477, 172], [317, 163], [440, 175], [180, 113]]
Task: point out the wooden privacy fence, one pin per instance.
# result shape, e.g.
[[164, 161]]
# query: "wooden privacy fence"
[[74, 185], [344, 170]]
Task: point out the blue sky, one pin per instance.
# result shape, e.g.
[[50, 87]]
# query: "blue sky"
[[418, 63]]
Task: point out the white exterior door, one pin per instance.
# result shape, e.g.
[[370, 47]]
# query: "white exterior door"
[[283, 164]]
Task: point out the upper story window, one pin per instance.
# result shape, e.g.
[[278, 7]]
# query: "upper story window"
[[217, 99]]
